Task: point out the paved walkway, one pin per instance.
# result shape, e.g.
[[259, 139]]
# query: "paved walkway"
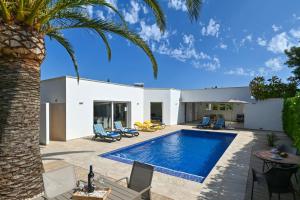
[[227, 180], [260, 191]]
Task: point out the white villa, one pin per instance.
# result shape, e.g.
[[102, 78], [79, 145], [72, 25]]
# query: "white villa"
[[69, 109]]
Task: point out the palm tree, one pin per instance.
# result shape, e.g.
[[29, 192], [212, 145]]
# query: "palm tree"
[[23, 27]]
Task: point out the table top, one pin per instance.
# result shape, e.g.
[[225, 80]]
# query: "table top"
[[267, 155], [118, 192]]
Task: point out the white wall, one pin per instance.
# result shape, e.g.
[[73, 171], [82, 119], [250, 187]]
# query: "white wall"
[[170, 102], [265, 115], [216, 94], [157, 95], [53, 90], [80, 103]]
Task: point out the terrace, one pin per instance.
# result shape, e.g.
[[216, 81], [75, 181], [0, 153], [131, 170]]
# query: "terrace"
[[229, 179]]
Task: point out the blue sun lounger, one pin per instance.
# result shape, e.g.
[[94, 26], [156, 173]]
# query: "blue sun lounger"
[[125, 131], [205, 123], [220, 123], [102, 134]]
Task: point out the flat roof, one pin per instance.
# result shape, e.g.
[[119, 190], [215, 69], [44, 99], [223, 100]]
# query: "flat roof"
[[129, 85]]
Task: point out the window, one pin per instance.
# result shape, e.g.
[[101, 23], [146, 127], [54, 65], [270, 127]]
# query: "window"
[[222, 106], [215, 107]]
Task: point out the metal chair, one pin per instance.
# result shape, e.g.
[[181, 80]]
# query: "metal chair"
[[59, 181], [140, 179], [278, 180]]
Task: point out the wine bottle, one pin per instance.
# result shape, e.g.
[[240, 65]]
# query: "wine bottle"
[[91, 180]]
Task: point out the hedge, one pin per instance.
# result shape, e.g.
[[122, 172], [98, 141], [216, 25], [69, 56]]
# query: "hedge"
[[291, 118]]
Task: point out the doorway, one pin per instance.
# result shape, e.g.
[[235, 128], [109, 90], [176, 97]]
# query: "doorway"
[[156, 111], [120, 113], [103, 114]]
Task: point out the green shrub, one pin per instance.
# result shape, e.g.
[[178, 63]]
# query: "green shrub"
[[291, 118]]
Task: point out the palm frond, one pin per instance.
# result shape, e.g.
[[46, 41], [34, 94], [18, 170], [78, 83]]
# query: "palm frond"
[[159, 15], [67, 45], [63, 5], [4, 11], [108, 49], [105, 26], [20, 10], [36, 8], [194, 7]]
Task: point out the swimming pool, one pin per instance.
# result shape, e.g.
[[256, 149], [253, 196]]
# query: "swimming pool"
[[189, 154]]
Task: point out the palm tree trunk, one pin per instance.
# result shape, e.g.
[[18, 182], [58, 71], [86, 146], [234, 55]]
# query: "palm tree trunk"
[[21, 54]]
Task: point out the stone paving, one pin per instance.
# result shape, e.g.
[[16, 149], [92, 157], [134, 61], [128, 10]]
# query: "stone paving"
[[227, 180]]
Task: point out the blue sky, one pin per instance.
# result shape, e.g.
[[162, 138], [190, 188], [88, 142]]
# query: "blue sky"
[[232, 42]]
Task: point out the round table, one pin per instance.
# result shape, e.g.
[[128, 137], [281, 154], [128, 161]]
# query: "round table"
[[266, 155]]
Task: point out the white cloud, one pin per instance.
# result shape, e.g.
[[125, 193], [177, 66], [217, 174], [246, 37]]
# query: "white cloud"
[[276, 28], [295, 33], [279, 43], [89, 10], [240, 71], [296, 17], [133, 15], [212, 28], [152, 32], [177, 4], [100, 14], [187, 52], [114, 3], [189, 39], [261, 41], [274, 64], [145, 10], [211, 65], [248, 38], [223, 46]]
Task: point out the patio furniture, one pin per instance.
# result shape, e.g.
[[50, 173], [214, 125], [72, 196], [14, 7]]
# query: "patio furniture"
[[59, 181], [101, 133], [268, 158], [151, 125], [278, 180], [140, 179], [143, 127], [287, 149], [118, 192], [205, 123], [220, 123], [256, 178], [291, 150], [125, 131]]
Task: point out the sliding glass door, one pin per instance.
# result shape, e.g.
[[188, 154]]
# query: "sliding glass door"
[[103, 114], [120, 113]]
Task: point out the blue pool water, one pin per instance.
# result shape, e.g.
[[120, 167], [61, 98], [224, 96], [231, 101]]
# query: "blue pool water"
[[187, 154]]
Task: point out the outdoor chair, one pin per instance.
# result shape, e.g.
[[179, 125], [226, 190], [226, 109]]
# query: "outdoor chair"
[[220, 123], [205, 123], [125, 131], [278, 180], [291, 150], [140, 179], [102, 134], [59, 181]]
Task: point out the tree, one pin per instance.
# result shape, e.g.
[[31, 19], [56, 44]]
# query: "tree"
[[274, 88], [294, 62], [23, 26]]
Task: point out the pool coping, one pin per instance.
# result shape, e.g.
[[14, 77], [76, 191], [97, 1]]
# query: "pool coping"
[[175, 173]]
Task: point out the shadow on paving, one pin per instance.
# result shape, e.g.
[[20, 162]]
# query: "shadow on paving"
[[222, 185], [47, 156]]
